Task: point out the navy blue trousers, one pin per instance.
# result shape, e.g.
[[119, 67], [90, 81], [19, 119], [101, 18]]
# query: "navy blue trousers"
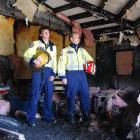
[[77, 85], [40, 80]]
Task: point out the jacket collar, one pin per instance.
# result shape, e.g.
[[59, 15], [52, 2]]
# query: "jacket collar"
[[74, 45], [49, 44]]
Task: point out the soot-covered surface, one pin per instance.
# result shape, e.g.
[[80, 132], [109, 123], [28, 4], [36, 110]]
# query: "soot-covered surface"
[[58, 131], [63, 131]]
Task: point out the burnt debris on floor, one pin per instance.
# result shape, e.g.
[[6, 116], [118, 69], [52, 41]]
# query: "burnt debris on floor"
[[113, 111], [106, 124], [58, 131]]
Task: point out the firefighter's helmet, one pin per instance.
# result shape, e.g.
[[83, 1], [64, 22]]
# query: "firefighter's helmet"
[[90, 67], [42, 56]]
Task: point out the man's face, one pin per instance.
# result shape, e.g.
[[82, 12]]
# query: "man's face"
[[75, 39], [45, 34]]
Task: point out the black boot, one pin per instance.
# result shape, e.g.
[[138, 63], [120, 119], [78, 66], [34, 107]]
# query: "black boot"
[[86, 117], [31, 124], [71, 118]]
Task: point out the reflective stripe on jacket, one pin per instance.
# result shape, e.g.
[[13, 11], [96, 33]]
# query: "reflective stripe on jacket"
[[71, 60], [31, 51]]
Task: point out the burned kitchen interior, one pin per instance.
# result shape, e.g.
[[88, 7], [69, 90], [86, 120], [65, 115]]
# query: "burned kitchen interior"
[[110, 33]]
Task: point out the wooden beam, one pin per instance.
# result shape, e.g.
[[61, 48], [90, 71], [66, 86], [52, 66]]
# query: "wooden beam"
[[137, 22], [92, 8], [95, 23], [64, 7], [127, 6], [80, 16], [118, 28], [116, 34], [41, 1], [48, 6], [99, 11]]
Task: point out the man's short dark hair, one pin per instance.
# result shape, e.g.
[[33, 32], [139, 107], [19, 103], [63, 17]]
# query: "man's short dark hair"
[[43, 28]]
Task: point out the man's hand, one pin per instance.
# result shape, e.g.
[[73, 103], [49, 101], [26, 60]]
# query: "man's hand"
[[64, 81], [51, 78]]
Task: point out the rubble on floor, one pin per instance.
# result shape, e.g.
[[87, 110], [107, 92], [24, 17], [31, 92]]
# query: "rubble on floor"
[[58, 131], [106, 121], [104, 124]]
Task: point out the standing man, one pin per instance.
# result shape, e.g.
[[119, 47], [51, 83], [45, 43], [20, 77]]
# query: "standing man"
[[70, 69], [42, 77]]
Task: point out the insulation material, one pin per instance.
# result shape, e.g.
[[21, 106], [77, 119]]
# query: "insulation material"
[[28, 8], [124, 62], [4, 107], [24, 36], [134, 40], [128, 15], [88, 38], [67, 41], [41, 8], [115, 100], [93, 91], [63, 17], [92, 52], [76, 28], [6, 36]]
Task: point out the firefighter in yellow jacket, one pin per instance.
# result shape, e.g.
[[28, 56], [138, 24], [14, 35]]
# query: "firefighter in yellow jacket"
[[41, 55], [70, 69]]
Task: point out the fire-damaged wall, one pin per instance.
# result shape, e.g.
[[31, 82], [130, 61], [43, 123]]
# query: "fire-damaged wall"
[[16, 37], [67, 41], [57, 39], [6, 35], [24, 35]]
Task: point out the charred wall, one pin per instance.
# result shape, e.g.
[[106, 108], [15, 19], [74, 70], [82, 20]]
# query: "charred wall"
[[15, 38]]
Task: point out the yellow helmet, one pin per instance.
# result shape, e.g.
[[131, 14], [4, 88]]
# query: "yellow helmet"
[[43, 56]]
